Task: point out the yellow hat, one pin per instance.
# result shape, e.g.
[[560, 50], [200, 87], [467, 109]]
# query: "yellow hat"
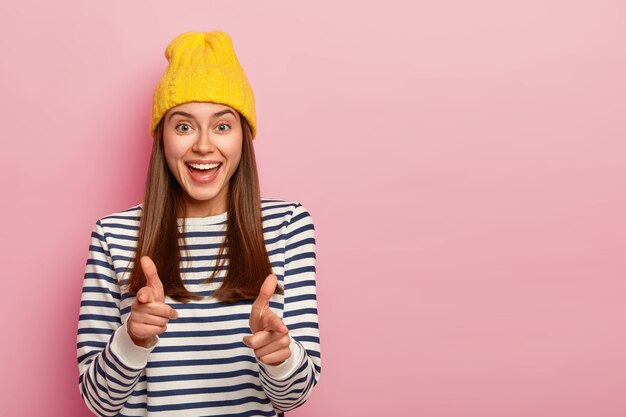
[[203, 67]]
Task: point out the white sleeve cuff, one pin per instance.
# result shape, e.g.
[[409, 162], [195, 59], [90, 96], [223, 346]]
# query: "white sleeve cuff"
[[285, 369], [128, 352]]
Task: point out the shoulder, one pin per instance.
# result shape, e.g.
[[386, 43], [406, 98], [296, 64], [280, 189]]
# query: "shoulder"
[[291, 214], [124, 219], [275, 207]]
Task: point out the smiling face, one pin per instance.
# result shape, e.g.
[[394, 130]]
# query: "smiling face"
[[202, 144]]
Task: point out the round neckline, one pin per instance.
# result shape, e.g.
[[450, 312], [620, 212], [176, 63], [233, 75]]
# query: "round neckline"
[[199, 221], [203, 221]]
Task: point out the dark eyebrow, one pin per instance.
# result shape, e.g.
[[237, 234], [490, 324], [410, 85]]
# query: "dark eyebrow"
[[219, 113]]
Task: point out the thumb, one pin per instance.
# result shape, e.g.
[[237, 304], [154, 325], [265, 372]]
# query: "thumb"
[[265, 293], [152, 278]]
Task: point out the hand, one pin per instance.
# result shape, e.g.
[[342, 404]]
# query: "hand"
[[149, 314], [270, 339]]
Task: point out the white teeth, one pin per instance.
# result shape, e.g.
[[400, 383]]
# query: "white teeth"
[[204, 166]]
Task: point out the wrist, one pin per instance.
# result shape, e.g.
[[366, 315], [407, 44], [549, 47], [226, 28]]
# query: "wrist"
[[281, 362], [286, 368]]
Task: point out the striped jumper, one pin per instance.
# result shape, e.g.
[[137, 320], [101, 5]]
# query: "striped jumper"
[[200, 365]]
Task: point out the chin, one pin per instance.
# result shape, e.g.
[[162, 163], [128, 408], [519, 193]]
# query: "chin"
[[202, 196]]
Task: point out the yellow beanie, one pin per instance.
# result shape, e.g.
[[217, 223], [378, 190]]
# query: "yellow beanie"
[[203, 67]]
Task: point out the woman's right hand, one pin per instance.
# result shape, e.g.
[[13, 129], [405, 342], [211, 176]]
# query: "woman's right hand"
[[149, 314]]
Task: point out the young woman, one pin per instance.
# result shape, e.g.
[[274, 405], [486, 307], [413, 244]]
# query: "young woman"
[[200, 301]]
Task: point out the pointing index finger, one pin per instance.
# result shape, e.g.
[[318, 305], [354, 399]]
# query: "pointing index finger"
[[274, 323]]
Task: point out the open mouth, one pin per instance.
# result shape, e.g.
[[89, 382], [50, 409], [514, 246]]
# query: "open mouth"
[[203, 172], [206, 168]]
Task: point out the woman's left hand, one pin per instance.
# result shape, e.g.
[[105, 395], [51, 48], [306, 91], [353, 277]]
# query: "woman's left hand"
[[270, 337]]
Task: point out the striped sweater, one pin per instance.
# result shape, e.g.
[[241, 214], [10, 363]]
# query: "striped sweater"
[[200, 365]]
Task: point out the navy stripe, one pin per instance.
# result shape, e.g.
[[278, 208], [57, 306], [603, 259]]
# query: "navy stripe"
[[95, 331], [303, 325], [205, 390], [201, 362], [298, 231], [204, 333], [300, 256], [300, 312], [208, 404], [100, 290], [99, 276], [91, 303], [199, 348], [311, 339], [121, 237], [91, 344], [303, 297], [295, 245], [194, 377], [99, 263], [213, 319], [99, 317], [308, 283]]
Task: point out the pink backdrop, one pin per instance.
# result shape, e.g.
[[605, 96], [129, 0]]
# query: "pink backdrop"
[[464, 163]]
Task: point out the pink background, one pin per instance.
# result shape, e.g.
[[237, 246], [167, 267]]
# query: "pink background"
[[464, 163]]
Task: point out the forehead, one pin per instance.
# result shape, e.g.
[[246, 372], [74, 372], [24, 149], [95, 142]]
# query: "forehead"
[[200, 109]]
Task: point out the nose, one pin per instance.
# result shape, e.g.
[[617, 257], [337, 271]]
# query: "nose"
[[204, 144]]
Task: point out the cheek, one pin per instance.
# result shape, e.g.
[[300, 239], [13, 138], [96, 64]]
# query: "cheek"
[[234, 154], [171, 164], [173, 154], [237, 159]]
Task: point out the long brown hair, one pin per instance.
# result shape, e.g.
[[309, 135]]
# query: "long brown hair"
[[243, 245]]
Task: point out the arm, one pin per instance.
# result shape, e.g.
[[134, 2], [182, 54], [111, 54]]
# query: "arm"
[[288, 385], [109, 363]]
